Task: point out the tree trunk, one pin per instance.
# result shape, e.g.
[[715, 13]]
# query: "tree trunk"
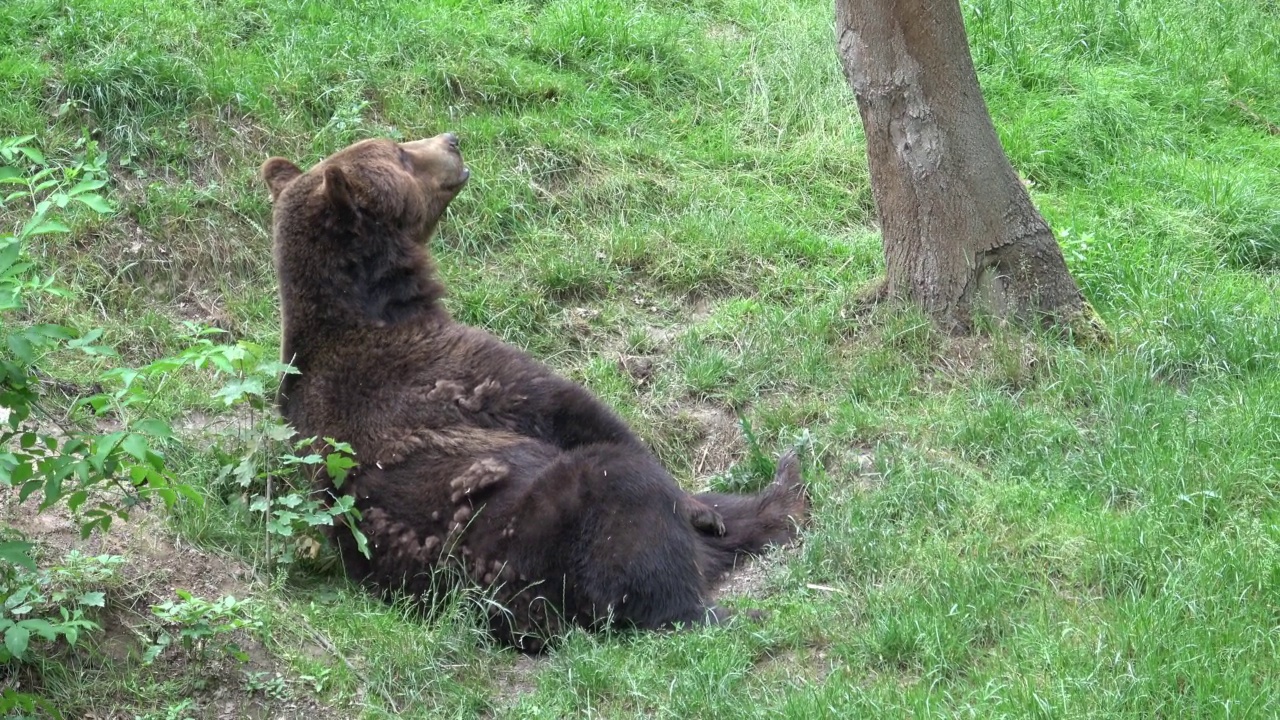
[[960, 233]]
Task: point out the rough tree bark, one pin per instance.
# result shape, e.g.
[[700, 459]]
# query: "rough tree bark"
[[961, 234]]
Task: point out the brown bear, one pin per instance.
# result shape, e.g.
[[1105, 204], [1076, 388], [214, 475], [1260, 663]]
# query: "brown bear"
[[477, 463]]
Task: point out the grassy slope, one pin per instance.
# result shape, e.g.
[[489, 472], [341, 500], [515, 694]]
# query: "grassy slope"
[[1046, 531]]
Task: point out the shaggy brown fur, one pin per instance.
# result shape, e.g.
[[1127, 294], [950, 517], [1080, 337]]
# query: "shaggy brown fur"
[[473, 456]]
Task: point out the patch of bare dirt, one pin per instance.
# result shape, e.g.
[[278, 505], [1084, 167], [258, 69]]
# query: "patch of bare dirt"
[[154, 557], [964, 355], [207, 309], [810, 665], [751, 578], [723, 443], [517, 681], [699, 310], [858, 463], [156, 565]]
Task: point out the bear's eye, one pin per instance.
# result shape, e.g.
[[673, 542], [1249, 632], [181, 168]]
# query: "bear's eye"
[[405, 160]]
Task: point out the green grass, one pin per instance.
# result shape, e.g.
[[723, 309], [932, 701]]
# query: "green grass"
[[1040, 531]]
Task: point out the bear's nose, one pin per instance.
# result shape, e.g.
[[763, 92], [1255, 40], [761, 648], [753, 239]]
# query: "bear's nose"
[[451, 139]]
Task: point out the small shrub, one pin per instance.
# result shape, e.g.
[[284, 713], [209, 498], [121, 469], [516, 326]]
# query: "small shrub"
[[51, 604], [71, 464], [198, 624]]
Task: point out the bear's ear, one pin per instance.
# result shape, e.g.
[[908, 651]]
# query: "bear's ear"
[[278, 173], [337, 189]]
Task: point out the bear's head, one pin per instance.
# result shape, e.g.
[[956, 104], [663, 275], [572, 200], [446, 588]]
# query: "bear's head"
[[349, 238], [398, 187]]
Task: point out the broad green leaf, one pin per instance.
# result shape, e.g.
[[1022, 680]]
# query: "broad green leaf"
[[52, 332], [92, 599], [312, 459], [20, 346], [156, 460], [338, 467], [275, 368], [282, 527], [28, 487], [153, 427], [340, 446], [97, 402], [125, 376], [17, 553], [41, 627], [13, 274], [16, 639], [154, 651], [222, 363], [15, 601], [85, 339], [76, 499], [96, 203], [189, 493], [40, 226], [33, 155], [167, 495], [165, 365], [53, 486], [20, 473], [237, 389], [362, 542], [106, 444], [280, 432], [8, 254], [85, 186]]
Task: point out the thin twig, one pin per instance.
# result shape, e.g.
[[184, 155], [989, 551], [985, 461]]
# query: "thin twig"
[[266, 527], [1270, 127]]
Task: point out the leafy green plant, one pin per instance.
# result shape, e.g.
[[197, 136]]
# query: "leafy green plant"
[[198, 624], [20, 706], [52, 603], [270, 684], [176, 711], [254, 458], [62, 457], [295, 516], [68, 462], [46, 605]]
